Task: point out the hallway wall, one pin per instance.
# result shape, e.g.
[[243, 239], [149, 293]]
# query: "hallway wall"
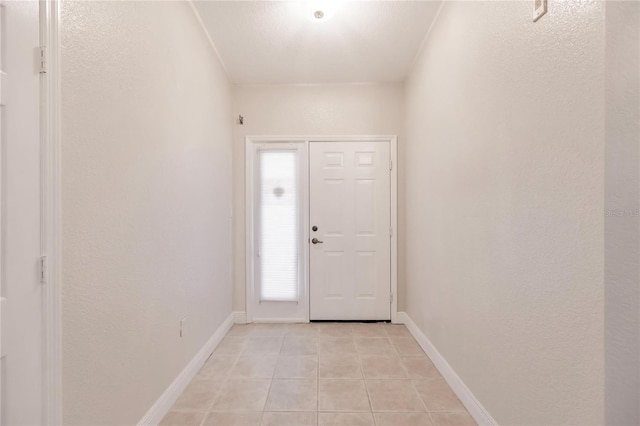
[[504, 203], [146, 200], [622, 214], [340, 109]]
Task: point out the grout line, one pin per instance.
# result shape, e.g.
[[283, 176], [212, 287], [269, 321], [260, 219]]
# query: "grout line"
[[364, 380], [431, 418], [413, 385], [266, 401], [317, 376]]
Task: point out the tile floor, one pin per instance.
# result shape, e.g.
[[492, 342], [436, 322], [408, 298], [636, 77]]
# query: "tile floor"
[[318, 374]]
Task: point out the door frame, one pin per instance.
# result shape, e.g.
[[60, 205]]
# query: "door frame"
[[50, 217], [250, 249], [51, 197]]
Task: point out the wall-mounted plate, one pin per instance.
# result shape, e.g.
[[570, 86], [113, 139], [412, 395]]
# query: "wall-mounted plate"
[[539, 9]]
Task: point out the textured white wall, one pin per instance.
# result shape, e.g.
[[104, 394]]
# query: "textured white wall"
[[504, 205], [308, 110], [146, 200], [622, 204]]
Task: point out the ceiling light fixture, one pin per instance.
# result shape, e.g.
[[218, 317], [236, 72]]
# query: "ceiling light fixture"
[[321, 10]]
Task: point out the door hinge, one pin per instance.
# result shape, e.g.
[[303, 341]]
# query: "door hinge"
[[390, 231], [43, 269], [43, 60], [390, 164], [391, 297]]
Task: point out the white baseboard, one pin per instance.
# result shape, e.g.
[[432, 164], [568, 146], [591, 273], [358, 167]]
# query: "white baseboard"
[[471, 403], [239, 317], [402, 318], [162, 406]]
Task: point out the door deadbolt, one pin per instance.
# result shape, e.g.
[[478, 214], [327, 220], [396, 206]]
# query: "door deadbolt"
[[314, 228]]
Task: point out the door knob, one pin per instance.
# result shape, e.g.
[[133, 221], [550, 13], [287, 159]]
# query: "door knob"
[[316, 241]]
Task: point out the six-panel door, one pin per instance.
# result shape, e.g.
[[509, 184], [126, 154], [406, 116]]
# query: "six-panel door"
[[350, 262]]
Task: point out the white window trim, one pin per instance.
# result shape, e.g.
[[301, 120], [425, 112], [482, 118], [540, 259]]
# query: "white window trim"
[[250, 193], [296, 311]]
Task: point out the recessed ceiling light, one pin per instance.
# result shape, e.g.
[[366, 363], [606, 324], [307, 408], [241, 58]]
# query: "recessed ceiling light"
[[318, 14]]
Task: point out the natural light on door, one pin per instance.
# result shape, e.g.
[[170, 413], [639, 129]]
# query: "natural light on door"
[[279, 211]]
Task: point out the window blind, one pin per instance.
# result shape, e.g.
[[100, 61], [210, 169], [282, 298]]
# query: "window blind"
[[279, 225]]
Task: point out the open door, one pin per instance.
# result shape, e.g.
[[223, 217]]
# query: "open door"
[[21, 292]]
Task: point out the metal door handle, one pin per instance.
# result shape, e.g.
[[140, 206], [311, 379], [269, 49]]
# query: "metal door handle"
[[316, 241]]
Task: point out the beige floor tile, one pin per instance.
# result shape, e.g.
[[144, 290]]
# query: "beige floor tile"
[[396, 330], [217, 366], [393, 395], [460, 418], [289, 419], [299, 345], [263, 345], [293, 395], [254, 367], [240, 330], [269, 330], [407, 346], [419, 367], [318, 367], [297, 367], [437, 395], [339, 367], [242, 395], [342, 395], [403, 419], [231, 346], [198, 396], [345, 419], [382, 367], [303, 330], [232, 419], [336, 330], [374, 346], [337, 345], [368, 330], [182, 418]]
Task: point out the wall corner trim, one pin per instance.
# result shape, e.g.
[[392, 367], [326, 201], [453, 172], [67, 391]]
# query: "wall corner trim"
[[208, 36], [424, 40], [162, 406], [471, 403], [239, 317]]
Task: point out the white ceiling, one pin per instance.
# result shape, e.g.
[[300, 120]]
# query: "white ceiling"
[[278, 42]]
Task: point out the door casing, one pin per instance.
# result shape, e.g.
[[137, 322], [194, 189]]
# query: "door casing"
[[49, 173], [250, 248]]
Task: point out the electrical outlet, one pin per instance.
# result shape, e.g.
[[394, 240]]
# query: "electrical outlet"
[[182, 326]]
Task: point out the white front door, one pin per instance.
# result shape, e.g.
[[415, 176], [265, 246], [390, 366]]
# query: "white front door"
[[21, 317], [350, 252]]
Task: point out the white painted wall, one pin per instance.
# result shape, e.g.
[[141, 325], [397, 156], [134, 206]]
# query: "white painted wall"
[[357, 109], [146, 200], [504, 205], [622, 207]]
